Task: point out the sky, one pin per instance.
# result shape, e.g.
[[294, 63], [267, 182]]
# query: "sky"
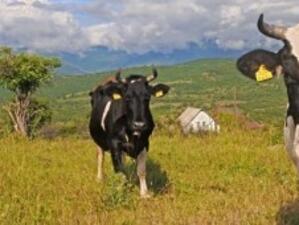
[[140, 26]]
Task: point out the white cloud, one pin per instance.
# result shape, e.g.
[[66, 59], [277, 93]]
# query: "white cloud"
[[139, 25], [24, 25]]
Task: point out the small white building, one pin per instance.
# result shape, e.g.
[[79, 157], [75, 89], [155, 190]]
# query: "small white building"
[[195, 120]]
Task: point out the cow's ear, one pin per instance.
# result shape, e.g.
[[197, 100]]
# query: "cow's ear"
[[259, 65], [114, 92], [160, 90]]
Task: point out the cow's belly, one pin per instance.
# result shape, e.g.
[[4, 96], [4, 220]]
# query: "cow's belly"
[[100, 140]]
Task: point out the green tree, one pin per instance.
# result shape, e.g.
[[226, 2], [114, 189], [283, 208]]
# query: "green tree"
[[23, 74]]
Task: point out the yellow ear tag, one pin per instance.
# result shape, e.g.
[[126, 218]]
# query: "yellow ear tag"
[[159, 94], [116, 96], [263, 74]]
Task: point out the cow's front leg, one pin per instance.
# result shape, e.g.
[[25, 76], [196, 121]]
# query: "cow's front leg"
[[141, 172], [117, 161], [291, 137], [100, 158], [116, 155], [123, 158]]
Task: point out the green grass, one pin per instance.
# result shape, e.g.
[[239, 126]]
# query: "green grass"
[[237, 177]]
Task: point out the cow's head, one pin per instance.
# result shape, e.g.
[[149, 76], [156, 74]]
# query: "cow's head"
[[137, 96], [263, 65]]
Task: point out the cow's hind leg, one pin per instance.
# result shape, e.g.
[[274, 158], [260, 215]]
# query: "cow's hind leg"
[[291, 136], [141, 172], [100, 158]]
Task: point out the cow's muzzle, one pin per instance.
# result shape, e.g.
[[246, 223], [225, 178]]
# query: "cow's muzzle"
[[137, 128]]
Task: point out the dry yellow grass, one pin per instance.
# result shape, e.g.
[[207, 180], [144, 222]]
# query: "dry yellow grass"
[[237, 177]]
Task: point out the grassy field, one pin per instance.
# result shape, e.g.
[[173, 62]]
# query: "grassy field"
[[240, 176]]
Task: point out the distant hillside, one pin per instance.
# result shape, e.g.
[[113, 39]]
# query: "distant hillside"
[[102, 59], [200, 83]]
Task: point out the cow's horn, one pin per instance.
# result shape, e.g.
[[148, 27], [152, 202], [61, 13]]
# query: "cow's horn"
[[153, 76], [118, 77], [273, 31]]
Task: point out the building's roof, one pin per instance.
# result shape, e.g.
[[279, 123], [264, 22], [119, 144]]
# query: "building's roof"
[[188, 115]]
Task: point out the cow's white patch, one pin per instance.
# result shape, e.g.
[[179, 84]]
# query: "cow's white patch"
[[279, 71], [295, 152], [289, 131], [136, 80], [105, 113], [141, 172], [100, 158], [292, 35], [291, 136]]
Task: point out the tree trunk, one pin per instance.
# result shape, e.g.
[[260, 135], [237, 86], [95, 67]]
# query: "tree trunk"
[[18, 112], [22, 115]]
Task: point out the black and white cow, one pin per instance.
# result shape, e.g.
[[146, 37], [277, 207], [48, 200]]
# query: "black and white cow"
[[261, 65], [121, 121]]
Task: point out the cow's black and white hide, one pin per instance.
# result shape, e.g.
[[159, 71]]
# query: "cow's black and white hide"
[[121, 121], [262, 65]]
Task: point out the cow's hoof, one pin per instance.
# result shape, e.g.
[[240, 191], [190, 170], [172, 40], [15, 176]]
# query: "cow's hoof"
[[145, 195]]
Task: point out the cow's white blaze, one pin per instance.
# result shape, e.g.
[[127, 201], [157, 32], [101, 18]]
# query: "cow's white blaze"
[[141, 172], [291, 136], [292, 35], [100, 158], [105, 113]]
